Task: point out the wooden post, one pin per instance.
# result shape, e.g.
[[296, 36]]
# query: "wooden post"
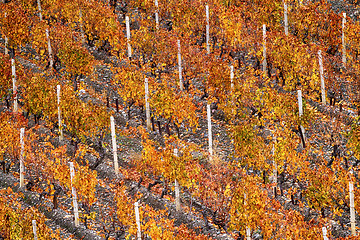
[[286, 23], [343, 40], [264, 63], [81, 27], [73, 191], [137, 216], [324, 231], [113, 137], [22, 167], [127, 22], [352, 209], [180, 66], [177, 187], [147, 105], [117, 104], [14, 85], [157, 14], [49, 49], [207, 29], [61, 136], [323, 98], [39, 8], [209, 131], [300, 103], [232, 78], [34, 229]]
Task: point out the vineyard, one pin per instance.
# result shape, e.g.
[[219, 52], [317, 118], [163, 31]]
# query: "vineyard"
[[166, 119]]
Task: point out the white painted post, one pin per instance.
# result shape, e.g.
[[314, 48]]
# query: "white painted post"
[[39, 8], [127, 22], [49, 48], [324, 231], [147, 105], [322, 82], [61, 136], [137, 216], [207, 29], [14, 84], [157, 14], [34, 229], [180, 66], [81, 27], [274, 170], [6, 44], [264, 63], [248, 233], [209, 131], [301, 112], [352, 209], [302, 129], [286, 23], [113, 137], [6, 41], [22, 167], [73, 191], [343, 40], [300, 103], [232, 78], [177, 187], [233, 110], [177, 196], [248, 230]]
